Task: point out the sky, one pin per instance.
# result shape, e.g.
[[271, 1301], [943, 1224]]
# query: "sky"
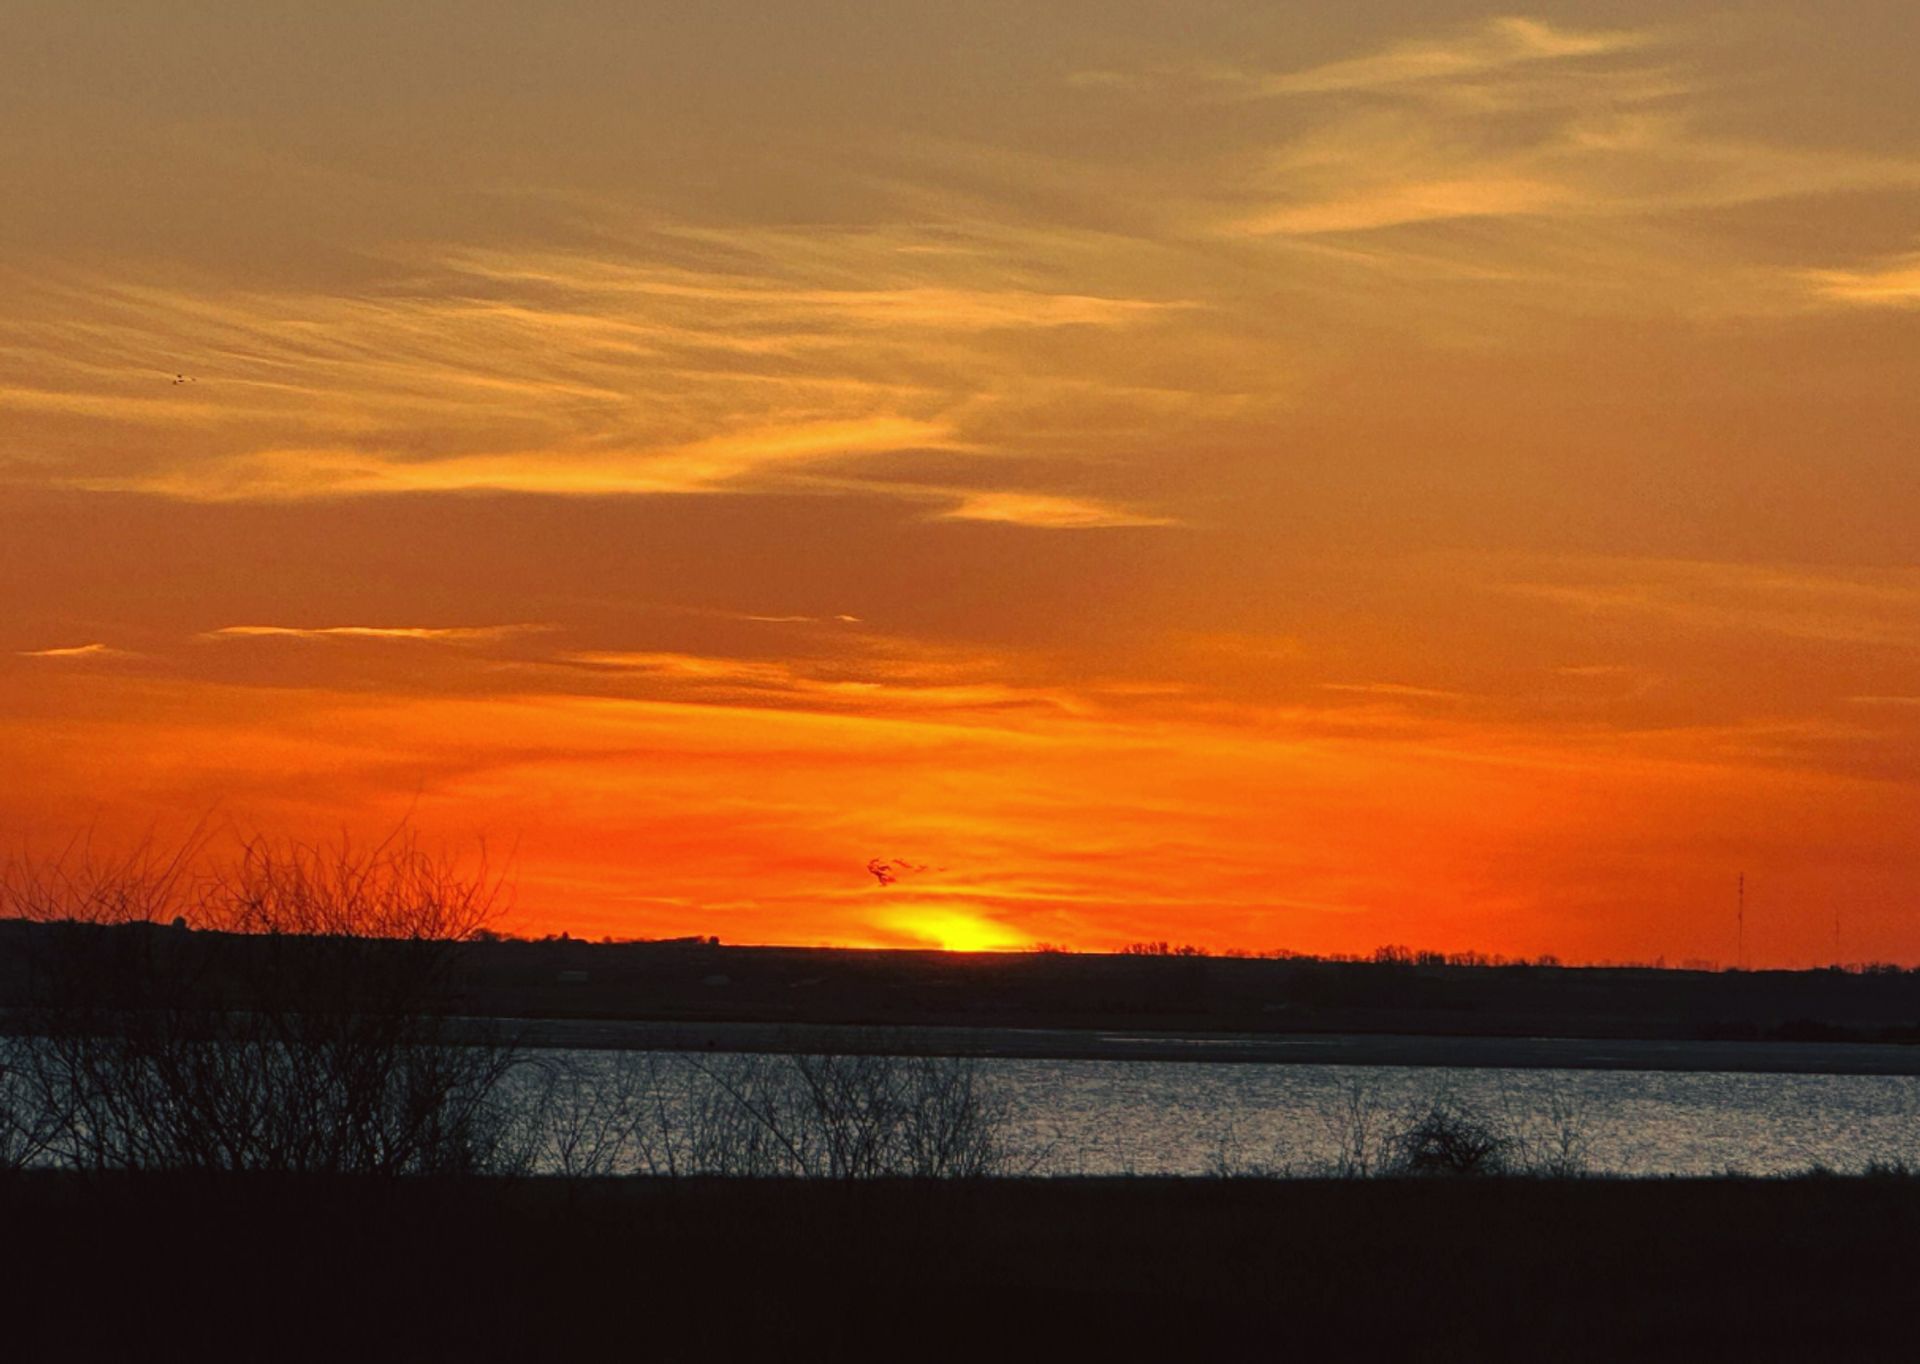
[[1268, 477]]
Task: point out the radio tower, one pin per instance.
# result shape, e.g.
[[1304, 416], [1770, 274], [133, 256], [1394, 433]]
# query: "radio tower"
[[1740, 919]]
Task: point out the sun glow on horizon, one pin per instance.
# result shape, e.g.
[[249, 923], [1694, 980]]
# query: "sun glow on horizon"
[[954, 930]]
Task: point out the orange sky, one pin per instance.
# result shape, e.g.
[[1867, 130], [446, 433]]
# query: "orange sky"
[[1241, 474]]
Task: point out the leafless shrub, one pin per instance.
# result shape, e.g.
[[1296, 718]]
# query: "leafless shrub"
[[1231, 1157], [1357, 1131], [145, 884], [1445, 1136], [694, 1124], [1441, 1133], [863, 1116], [27, 1128], [829, 1117], [301, 1023], [582, 1115], [392, 892], [1554, 1141]]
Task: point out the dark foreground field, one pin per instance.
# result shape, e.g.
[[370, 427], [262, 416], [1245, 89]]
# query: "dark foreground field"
[[132, 1267]]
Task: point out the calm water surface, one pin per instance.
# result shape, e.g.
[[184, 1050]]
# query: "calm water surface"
[[1106, 1117]]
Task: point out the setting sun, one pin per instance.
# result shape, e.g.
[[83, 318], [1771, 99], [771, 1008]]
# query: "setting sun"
[[953, 930]]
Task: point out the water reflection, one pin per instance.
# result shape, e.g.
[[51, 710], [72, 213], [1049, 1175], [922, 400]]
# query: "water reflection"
[[1088, 1117], [1105, 1117]]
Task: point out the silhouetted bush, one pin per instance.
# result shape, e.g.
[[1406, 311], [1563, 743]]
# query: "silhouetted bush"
[[1368, 1138], [27, 1128], [1358, 1128], [830, 1117], [302, 1023], [1448, 1138]]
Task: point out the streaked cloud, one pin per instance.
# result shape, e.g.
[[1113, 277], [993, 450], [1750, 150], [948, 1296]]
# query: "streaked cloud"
[[1879, 607], [75, 651], [1574, 151], [1393, 690], [709, 465], [1894, 283], [480, 634], [1056, 513], [1632, 151], [856, 684], [1499, 45], [944, 308], [618, 374], [802, 620], [1474, 57]]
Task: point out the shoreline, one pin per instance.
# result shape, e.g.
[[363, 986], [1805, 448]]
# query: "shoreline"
[[1353, 1049]]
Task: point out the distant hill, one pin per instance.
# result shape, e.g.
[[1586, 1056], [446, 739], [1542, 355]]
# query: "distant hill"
[[700, 981]]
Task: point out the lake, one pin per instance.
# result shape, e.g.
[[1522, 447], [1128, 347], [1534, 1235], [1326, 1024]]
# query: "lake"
[[1106, 1117], [1194, 1117]]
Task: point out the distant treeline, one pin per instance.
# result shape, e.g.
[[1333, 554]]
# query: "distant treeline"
[[698, 980], [1389, 954]]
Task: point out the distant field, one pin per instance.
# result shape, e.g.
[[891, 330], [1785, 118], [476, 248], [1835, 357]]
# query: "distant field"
[[1143, 1007], [1191, 996]]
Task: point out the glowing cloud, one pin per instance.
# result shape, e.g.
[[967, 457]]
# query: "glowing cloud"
[[1498, 45], [703, 466], [75, 651], [1894, 284], [418, 633], [1047, 512]]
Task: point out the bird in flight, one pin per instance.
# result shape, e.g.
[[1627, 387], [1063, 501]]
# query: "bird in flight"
[[888, 872]]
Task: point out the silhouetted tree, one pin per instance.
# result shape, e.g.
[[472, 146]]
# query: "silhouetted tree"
[[304, 1023]]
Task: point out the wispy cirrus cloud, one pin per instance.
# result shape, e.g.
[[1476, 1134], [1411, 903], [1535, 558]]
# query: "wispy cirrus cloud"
[[1520, 119], [1523, 161], [1047, 511], [719, 462], [1876, 607], [76, 651], [428, 634], [1534, 159], [914, 302], [1434, 65], [1893, 282], [1394, 691], [686, 360], [869, 683], [1498, 46], [838, 619]]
